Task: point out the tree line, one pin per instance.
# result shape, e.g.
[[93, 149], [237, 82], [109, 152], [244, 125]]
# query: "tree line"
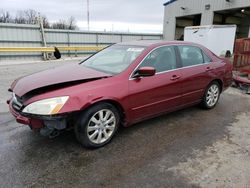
[[32, 17]]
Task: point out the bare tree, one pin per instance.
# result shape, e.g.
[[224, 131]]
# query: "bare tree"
[[72, 23], [5, 17], [45, 21], [31, 17], [20, 18], [26, 17], [62, 24]]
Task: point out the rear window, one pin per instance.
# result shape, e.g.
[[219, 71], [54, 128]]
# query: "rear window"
[[190, 55]]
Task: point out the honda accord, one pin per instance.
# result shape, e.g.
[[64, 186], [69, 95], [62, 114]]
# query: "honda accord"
[[123, 84]]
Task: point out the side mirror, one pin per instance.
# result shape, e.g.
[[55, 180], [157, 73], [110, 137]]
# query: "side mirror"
[[144, 72]]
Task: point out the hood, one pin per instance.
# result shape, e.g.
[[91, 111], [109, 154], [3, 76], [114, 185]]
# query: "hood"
[[64, 75]]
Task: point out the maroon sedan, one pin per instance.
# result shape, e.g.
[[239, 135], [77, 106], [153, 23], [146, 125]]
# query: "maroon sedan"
[[121, 85]]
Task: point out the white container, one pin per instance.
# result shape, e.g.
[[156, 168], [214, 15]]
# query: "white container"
[[217, 38]]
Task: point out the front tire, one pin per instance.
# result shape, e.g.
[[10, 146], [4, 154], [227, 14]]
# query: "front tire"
[[97, 125], [211, 96]]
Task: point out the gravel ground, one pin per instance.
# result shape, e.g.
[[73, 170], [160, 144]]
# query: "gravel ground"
[[187, 148]]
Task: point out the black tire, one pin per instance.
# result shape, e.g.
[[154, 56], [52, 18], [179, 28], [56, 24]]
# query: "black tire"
[[81, 127], [205, 104]]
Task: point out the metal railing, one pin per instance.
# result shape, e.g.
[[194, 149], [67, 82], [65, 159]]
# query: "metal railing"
[[51, 49], [49, 52]]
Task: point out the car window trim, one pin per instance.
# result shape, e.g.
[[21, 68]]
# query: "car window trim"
[[166, 45], [175, 69]]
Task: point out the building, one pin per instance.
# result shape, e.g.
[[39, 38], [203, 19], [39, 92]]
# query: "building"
[[181, 13]]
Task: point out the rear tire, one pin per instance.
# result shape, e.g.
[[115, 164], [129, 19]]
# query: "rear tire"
[[211, 96], [97, 125]]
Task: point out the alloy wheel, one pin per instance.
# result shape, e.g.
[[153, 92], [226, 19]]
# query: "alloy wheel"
[[212, 95], [101, 126]]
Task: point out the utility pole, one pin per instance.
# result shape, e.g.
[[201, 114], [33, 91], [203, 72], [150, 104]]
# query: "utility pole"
[[88, 13]]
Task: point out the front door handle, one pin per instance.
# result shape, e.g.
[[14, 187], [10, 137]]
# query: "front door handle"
[[175, 77]]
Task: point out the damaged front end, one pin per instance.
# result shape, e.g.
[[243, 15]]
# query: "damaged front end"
[[48, 125], [45, 100]]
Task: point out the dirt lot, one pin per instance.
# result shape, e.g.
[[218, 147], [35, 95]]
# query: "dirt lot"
[[188, 148]]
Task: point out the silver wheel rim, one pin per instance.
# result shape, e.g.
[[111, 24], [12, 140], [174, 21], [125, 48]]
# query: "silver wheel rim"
[[101, 126], [212, 95]]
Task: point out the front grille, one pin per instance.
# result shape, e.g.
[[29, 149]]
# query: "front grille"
[[16, 102]]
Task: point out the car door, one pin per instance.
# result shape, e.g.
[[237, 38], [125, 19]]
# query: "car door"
[[153, 95], [196, 68]]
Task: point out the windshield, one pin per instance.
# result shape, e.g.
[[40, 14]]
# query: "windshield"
[[114, 59]]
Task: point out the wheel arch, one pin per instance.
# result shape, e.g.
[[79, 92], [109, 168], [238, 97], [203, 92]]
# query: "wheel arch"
[[113, 102], [220, 82]]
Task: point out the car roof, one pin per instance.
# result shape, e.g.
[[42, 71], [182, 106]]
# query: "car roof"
[[147, 43]]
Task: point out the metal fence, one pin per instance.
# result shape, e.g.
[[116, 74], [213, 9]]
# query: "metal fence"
[[19, 35]]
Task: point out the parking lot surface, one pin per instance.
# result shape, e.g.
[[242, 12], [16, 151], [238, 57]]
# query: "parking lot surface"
[[187, 148]]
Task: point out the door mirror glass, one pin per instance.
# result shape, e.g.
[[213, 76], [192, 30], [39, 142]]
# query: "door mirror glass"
[[144, 72]]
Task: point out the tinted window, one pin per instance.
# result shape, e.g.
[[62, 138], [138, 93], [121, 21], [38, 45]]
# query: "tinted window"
[[162, 59], [206, 58], [190, 55]]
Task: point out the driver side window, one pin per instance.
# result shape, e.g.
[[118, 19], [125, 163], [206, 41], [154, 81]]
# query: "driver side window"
[[162, 59]]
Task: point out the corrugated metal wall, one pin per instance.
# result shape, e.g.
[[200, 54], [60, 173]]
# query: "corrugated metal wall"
[[12, 35], [15, 35]]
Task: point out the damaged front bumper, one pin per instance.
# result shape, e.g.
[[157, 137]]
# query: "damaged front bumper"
[[33, 123], [39, 122]]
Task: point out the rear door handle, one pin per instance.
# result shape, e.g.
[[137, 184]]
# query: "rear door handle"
[[175, 77]]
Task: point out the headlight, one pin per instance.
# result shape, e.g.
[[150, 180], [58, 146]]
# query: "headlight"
[[47, 106]]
